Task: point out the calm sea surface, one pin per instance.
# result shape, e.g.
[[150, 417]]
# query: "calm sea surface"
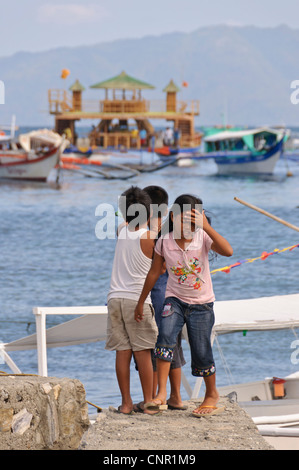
[[50, 256]]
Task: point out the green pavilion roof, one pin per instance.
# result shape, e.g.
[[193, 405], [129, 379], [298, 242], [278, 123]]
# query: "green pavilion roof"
[[77, 86], [123, 82], [172, 87]]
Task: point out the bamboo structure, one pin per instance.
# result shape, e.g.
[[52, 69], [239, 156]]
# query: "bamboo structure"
[[123, 102]]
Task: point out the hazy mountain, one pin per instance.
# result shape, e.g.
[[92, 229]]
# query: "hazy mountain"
[[243, 71]]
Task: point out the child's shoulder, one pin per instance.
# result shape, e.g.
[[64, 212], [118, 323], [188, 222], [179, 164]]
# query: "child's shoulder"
[[164, 243], [147, 243], [148, 235]]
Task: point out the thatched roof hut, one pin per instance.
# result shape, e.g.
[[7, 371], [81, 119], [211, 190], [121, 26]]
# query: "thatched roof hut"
[[123, 82]]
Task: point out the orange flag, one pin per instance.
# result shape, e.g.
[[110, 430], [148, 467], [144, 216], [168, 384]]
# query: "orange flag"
[[65, 73]]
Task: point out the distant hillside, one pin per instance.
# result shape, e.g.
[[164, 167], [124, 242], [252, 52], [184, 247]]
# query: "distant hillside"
[[244, 71]]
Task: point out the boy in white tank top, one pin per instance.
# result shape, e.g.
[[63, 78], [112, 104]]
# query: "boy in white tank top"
[[132, 261]]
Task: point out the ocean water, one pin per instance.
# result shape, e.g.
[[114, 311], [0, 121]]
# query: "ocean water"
[[50, 256]]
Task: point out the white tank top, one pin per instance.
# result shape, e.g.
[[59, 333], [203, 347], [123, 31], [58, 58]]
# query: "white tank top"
[[130, 266]]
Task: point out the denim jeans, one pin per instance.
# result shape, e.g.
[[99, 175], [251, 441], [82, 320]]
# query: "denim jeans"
[[158, 296], [199, 319]]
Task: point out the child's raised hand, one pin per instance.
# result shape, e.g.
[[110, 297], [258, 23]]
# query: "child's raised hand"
[[197, 218], [194, 217]]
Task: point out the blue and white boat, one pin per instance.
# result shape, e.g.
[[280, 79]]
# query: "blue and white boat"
[[248, 151]]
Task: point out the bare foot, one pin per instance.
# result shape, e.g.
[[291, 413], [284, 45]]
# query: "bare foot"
[[125, 408]]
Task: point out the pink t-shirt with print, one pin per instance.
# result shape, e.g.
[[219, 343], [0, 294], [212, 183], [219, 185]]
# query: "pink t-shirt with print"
[[189, 273]]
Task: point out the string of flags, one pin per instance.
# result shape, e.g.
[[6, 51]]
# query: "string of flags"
[[264, 255]]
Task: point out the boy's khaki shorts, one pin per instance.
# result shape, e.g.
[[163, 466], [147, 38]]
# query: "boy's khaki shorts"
[[124, 332]]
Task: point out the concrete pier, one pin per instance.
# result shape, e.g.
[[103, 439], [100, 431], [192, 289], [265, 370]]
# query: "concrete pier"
[[175, 430]]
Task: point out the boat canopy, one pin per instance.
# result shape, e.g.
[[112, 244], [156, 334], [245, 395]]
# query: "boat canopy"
[[5, 138], [264, 313], [41, 136], [246, 139], [240, 134]]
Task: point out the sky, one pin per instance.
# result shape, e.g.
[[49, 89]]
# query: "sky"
[[35, 25]]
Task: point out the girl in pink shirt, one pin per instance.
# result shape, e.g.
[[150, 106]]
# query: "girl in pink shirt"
[[189, 296]]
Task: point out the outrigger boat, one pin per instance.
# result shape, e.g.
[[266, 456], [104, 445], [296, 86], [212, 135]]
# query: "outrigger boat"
[[32, 156], [183, 156], [93, 167], [97, 165], [249, 151], [235, 151]]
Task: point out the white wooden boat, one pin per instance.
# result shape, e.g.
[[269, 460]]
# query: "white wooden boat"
[[32, 156], [272, 403], [276, 416]]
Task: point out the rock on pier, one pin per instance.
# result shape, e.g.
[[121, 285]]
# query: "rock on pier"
[[40, 413]]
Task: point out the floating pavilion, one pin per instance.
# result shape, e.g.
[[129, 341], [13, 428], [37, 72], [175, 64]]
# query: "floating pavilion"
[[122, 102]]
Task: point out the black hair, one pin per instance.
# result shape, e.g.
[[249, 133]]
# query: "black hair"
[[183, 200], [157, 194], [134, 198]]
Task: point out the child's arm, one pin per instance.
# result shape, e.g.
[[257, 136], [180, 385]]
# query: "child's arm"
[[150, 281], [220, 245], [147, 244]]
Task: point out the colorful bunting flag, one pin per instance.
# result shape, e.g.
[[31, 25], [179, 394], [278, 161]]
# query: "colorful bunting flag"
[[264, 255]]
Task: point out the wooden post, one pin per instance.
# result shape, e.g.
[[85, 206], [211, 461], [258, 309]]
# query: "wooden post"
[[77, 100], [171, 101], [274, 217]]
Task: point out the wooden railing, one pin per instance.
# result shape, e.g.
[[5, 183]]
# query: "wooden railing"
[[190, 140], [60, 101], [124, 106], [160, 106], [115, 139]]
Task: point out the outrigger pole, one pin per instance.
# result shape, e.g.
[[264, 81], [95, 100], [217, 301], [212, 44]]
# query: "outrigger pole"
[[262, 211]]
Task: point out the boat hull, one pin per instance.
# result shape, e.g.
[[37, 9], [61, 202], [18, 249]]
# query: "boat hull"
[[249, 163], [34, 169], [183, 156]]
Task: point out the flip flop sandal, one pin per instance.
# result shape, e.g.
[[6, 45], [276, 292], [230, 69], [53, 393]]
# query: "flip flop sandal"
[[118, 410], [154, 406], [184, 407], [138, 407], [215, 410]]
